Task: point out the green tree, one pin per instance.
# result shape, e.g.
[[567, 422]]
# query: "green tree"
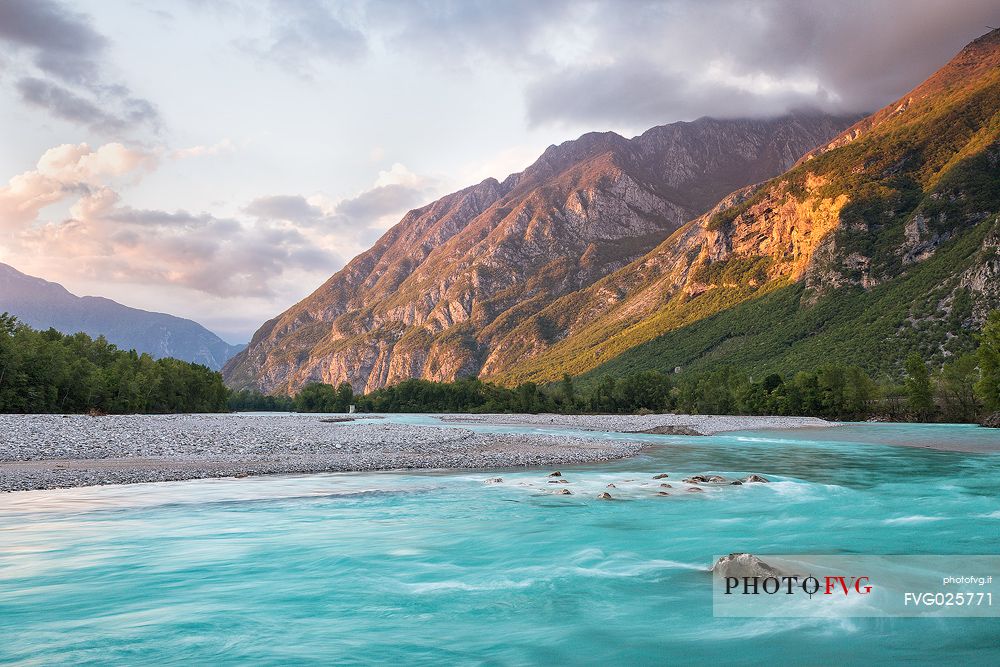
[[345, 397], [568, 391], [988, 387], [956, 388], [860, 393], [919, 394]]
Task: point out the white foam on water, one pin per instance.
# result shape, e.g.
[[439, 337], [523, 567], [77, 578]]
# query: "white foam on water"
[[406, 552], [784, 521], [749, 628], [614, 567], [916, 518], [449, 585], [793, 490]]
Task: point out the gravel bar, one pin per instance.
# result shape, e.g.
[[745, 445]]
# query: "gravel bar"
[[698, 424], [54, 451]]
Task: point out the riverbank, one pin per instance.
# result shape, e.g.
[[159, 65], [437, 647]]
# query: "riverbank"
[[53, 451], [668, 424]]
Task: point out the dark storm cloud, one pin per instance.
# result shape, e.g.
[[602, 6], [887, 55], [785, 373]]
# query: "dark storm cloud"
[[67, 53]]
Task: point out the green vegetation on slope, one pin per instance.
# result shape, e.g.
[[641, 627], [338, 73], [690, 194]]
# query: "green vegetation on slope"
[[875, 329]]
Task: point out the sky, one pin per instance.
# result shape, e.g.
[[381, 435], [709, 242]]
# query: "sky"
[[219, 160]]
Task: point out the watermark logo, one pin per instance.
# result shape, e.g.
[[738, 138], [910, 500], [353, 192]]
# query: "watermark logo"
[[844, 586], [790, 585]]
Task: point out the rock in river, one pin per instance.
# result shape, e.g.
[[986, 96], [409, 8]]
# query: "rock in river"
[[743, 565], [704, 479]]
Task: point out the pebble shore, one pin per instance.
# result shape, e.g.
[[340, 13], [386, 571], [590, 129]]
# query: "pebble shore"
[[697, 424], [55, 451]]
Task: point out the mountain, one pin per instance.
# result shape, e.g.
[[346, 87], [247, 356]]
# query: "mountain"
[[882, 242], [41, 305], [458, 286]]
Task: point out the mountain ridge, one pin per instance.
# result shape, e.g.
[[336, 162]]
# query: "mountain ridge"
[[866, 209], [436, 296], [42, 304]]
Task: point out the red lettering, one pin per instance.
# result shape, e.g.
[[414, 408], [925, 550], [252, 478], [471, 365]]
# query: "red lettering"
[[831, 585]]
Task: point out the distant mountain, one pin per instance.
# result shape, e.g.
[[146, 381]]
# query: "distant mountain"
[[457, 287], [42, 304]]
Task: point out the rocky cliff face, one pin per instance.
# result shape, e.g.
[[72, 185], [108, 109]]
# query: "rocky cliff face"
[[461, 286], [865, 210]]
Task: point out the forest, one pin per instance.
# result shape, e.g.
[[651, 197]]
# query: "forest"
[[47, 371]]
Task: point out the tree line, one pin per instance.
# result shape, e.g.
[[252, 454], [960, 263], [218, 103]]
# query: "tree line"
[[963, 390], [47, 371]]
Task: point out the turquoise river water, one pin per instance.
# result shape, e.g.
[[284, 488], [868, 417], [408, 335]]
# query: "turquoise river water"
[[439, 568]]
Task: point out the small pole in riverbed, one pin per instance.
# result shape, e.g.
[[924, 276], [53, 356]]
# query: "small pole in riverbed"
[[351, 411]]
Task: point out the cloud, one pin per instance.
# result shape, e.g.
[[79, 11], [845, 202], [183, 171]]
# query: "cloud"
[[380, 201], [518, 32], [601, 63], [224, 146], [102, 238], [305, 33], [358, 220], [67, 214], [61, 173], [285, 207], [63, 103], [63, 42], [63, 70], [639, 94], [660, 62], [644, 62]]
